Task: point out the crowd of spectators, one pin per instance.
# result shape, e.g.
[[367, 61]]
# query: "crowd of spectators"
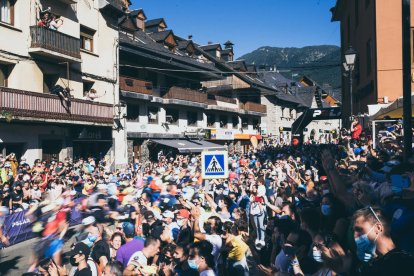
[[333, 209]]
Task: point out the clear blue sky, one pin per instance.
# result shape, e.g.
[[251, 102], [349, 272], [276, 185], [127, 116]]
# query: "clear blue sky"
[[249, 24]]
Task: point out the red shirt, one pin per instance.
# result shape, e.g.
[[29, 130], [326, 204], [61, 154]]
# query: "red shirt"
[[357, 131]]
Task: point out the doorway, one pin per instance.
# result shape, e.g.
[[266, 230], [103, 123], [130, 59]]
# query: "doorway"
[[51, 149]]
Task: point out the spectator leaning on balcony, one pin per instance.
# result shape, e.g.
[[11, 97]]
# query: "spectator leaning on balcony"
[[55, 22], [92, 95], [45, 19]]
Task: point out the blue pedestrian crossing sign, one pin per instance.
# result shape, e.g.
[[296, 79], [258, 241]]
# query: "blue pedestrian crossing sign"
[[214, 164]]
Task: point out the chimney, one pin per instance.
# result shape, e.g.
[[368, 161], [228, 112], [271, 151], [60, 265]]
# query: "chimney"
[[190, 37], [210, 42], [228, 45]]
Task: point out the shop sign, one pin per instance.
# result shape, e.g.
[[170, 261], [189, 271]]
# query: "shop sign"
[[92, 134], [222, 134]]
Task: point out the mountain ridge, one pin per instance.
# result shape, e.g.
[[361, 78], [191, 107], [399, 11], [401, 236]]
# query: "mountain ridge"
[[319, 62]]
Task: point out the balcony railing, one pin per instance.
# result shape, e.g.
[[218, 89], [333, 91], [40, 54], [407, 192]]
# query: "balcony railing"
[[20, 103], [226, 100], [135, 85], [184, 94], [60, 43], [255, 107]]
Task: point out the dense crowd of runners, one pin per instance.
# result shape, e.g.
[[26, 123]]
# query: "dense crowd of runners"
[[333, 209]]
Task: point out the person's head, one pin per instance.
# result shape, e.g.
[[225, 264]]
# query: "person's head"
[[152, 246], [288, 210], [149, 217], [308, 175], [200, 257], [94, 234], [370, 227], [117, 240], [181, 253], [182, 217], [356, 120], [128, 229], [113, 268], [168, 217], [301, 242], [309, 221], [79, 254], [213, 225]]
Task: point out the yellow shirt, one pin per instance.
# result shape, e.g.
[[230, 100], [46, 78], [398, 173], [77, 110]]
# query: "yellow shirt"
[[239, 248]]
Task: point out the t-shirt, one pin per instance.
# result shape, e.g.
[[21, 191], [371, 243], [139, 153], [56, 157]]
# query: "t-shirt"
[[217, 242], [239, 248], [395, 262], [125, 252], [208, 272], [101, 248], [138, 259], [84, 272], [357, 132]]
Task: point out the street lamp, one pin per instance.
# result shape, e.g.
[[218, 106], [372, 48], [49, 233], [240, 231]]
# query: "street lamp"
[[349, 64]]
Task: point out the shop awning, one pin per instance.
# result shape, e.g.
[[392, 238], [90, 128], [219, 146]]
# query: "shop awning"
[[393, 110], [189, 146]]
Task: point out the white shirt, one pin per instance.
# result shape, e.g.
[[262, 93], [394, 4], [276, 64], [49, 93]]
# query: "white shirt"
[[138, 258], [216, 241], [208, 273]]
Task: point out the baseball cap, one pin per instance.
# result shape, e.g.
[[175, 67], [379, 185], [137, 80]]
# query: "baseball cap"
[[148, 215], [168, 214], [88, 221], [323, 178], [128, 228], [183, 213], [80, 248]]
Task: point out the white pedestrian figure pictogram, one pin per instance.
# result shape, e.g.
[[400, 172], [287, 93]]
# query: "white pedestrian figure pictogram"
[[214, 166]]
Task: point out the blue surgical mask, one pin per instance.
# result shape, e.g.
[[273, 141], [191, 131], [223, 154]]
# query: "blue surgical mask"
[[326, 209], [365, 247], [88, 242], [317, 256], [192, 264], [92, 238]]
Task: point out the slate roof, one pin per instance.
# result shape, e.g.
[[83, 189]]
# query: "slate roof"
[[155, 22], [183, 44], [237, 65], [160, 36], [226, 52], [210, 47], [143, 43], [135, 12]]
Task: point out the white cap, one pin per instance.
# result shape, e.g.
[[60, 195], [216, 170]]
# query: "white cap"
[[102, 187], [88, 221], [168, 214]]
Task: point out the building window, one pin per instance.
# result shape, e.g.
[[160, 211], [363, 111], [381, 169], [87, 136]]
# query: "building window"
[[133, 112], [369, 56], [86, 38], [223, 121], [245, 122], [172, 116], [153, 115], [235, 121], [192, 118], [211, 120], [256, 124], [7, 11]]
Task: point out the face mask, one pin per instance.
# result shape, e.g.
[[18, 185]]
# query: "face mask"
[[207, 228], [180, 222], [326, 209], [192, 264], [73, 262], [92, 238], [88, 242], [5, 189], [282, 216], [365, 248], [317, 256]]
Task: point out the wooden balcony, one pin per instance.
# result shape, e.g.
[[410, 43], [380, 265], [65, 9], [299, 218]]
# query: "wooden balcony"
[[40, 106], [178, 93], [113, 7], [54, 44], [226, 100], [135, 85], [254, 107]]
